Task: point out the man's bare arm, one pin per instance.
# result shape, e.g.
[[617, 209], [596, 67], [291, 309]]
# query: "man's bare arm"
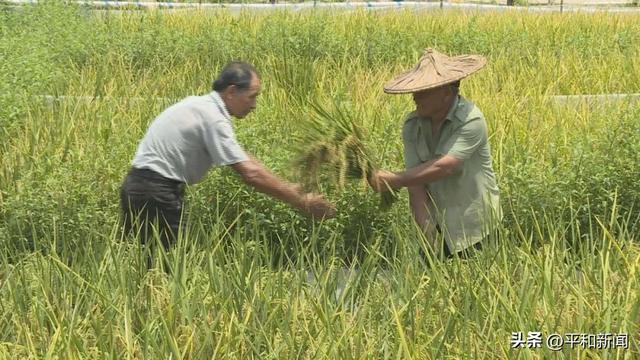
[[253, 173], [420, 175], [419, 202]]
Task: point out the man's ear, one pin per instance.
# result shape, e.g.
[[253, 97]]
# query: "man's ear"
[[232, 90], [229, 92]]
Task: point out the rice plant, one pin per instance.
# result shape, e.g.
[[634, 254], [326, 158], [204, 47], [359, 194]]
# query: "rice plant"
[[252, 278], [333, 141]]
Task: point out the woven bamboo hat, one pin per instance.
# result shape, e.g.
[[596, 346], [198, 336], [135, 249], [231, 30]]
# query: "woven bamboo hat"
[[433, 70]]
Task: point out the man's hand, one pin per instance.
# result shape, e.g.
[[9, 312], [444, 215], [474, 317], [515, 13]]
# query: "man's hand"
[[318, 207], [382, 181], [255, 174]]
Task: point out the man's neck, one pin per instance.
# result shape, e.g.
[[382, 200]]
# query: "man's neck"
[[222, 104], [438, 117]]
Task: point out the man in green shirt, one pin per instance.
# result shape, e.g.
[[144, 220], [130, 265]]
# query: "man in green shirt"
[[452, 187]]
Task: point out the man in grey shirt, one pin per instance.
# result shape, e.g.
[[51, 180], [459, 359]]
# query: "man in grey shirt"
[[184, 142]]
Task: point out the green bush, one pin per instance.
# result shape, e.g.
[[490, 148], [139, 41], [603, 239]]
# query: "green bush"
[[573, 173]]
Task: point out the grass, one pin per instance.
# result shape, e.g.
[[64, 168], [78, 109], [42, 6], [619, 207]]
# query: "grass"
[[252, 278]]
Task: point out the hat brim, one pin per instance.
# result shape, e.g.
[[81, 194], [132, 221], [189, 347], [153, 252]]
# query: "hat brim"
[[435, 70]]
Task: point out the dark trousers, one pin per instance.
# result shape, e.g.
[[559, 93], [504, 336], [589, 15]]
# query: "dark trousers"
[[150, 204]]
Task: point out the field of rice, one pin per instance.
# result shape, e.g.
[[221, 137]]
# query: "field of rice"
[[252, 278]]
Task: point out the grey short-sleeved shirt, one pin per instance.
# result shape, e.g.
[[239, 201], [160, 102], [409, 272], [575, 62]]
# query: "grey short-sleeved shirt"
[[466, 204], [189, 138]]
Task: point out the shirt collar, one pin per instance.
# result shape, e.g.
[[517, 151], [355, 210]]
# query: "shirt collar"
[[454, 107], [220, 103]]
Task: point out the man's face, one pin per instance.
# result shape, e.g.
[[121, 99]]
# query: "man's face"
[[432, 101], [241, 102]]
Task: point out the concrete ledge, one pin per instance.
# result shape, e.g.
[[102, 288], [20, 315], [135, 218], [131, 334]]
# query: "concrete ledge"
[[557, 100]]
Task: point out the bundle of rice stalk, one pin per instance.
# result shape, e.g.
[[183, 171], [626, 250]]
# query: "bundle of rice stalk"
[[331, 147]]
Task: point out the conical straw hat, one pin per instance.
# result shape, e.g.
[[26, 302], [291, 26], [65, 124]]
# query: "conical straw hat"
[[433, 70]]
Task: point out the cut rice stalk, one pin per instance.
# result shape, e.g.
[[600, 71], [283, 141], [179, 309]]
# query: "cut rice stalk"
[[333, 141]]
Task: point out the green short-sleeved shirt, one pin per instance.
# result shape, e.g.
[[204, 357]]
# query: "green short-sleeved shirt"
[[466, 205]]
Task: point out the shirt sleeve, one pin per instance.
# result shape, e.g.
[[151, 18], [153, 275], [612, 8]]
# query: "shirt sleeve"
[[466, 139], [221, 144]]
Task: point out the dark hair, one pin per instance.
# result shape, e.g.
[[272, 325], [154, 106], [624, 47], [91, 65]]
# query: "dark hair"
[[236, 73]]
